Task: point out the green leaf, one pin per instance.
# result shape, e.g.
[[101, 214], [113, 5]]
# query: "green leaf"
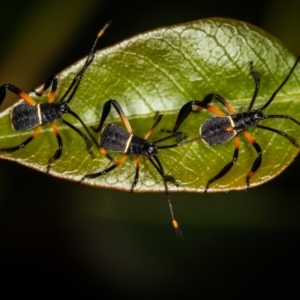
[[160, 71]]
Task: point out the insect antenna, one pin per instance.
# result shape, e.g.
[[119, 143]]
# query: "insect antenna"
[[281, 85], [256, 78], [76, 81], [158, 166]]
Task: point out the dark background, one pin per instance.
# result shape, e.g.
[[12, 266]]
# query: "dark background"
[[59, 238]]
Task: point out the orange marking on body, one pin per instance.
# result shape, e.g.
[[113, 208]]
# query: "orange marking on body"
[[126, 124], [51, 97], [230, 108], [121, 160], [215, 110], [250, 174], [249, 137], [37, 131], [148, 133], [103, 151], [229, 129], [236, 142], [54, 128], [138, 161], [26, 98]]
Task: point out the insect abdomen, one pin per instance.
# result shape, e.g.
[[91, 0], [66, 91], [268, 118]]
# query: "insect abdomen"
[[114, 138], [217, 130], [24, 116]]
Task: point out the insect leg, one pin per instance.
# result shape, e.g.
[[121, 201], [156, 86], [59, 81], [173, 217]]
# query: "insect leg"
[[167, 177], [16, 91], [290, 138], [58, 152], [188, 108], [257, 161], [105, 112], [50, 81], [227, 167], [104, 152], [137, 169], [12, 149], [157, 120], [218, 97], [86, 140], [95, 175]]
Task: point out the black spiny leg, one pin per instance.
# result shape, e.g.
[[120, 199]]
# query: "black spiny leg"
[[98, 174], [58, 152], [22, 145], [218, 97], [257, 161], [86, 140], [188, 108], [50, 81], [290, 138], [167, 177], [212, 109], [14, 89], [137, 170], [2, 93], [105, 112], [87, 130], [138, 158], [157, 120], [207, 99], [227, 168]]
